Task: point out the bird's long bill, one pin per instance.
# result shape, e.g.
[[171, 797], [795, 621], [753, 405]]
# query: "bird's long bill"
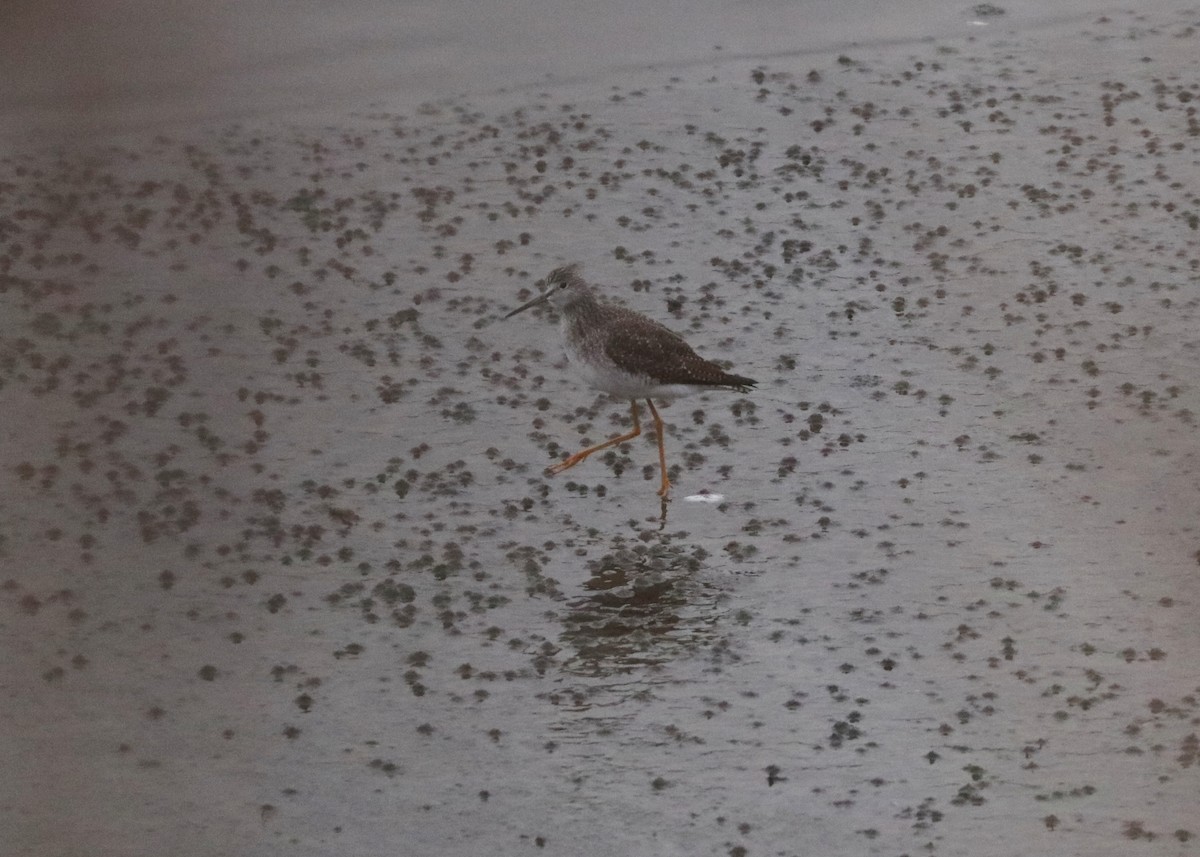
[[542, 297]]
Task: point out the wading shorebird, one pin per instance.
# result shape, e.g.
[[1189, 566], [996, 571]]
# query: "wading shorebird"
[[625, 354]]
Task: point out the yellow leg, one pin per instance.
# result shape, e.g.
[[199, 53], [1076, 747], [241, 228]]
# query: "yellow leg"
[[662, 451], [582, 454]]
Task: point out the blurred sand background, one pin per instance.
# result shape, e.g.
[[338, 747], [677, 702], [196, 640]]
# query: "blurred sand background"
[[280, 572]]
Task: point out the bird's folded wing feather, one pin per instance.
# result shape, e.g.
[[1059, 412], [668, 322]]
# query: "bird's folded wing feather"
[[660, 354]]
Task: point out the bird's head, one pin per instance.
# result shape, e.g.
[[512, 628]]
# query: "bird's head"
[[560, 288]]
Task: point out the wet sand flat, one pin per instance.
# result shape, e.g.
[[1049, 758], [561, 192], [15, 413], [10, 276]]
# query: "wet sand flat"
[[281, 571]]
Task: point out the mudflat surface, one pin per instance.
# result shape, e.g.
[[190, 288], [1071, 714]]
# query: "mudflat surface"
[[281, 572]]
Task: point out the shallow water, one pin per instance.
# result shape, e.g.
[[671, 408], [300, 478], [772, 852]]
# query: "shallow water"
[[282, 572]]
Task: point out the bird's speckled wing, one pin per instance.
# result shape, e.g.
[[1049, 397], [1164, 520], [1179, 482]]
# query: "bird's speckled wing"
[[647, 348]]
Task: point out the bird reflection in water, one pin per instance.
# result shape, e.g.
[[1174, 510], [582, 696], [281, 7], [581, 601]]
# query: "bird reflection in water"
[[643, 610]]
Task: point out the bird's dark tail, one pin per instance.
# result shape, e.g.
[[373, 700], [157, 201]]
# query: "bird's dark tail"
[[739, 382]]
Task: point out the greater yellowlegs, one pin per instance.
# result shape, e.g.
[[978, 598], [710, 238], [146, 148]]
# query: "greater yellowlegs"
[[625, 354]]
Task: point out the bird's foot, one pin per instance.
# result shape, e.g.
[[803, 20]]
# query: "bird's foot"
[[566, 464]]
